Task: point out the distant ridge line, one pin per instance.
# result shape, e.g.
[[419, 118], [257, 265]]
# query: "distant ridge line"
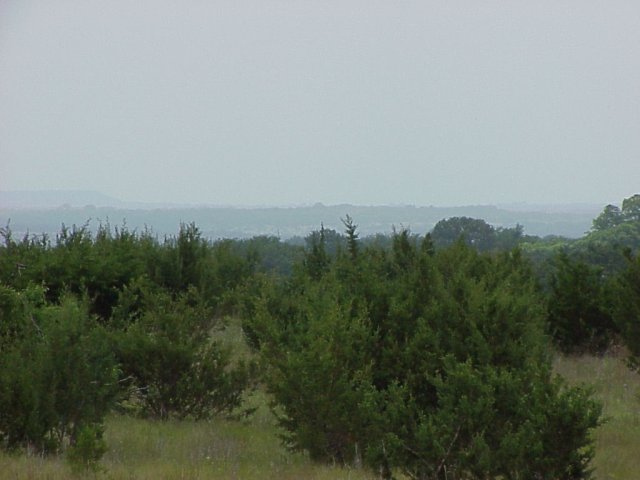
[[51, 199]]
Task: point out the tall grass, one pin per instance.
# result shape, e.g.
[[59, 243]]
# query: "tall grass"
[[618, 439], [248, 448], [251, 449], [218, 449]]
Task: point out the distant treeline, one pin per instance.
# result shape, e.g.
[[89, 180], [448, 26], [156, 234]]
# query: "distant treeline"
[[228, 222], [426, 354]]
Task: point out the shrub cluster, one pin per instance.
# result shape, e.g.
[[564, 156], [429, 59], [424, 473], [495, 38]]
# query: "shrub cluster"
[[426, 355], [89, 322], [166, 352], [58, 373], [432, 363]]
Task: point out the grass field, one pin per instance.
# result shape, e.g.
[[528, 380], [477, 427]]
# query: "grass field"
[[618, 439], [226, 449]]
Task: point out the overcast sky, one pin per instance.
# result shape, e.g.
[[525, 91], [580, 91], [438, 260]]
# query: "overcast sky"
[[301, 101]]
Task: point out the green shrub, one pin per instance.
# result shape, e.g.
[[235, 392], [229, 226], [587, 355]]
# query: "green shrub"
[[319, 372], [165, 348], [85, 453], [625, 295], [579, 316], [58, 375], [435, 364]]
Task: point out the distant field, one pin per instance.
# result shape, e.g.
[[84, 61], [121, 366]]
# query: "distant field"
[[225, 449]]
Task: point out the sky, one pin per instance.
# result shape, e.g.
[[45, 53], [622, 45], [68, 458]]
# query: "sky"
[[289, 102]]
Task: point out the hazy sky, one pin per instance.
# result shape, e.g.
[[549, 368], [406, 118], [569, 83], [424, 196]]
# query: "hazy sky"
[[334, 101]]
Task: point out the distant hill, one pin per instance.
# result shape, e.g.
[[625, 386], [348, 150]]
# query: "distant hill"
[[56, 198], [45, 212]]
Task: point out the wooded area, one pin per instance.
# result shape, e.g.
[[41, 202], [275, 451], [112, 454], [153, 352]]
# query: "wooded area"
[[424, 356]]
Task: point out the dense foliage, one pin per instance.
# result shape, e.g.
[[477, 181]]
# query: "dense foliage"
[[476, 233], [433, 363], [166, 351], [589, 283], [91, 320], [625, 294], [58, 374], [579, 314], [429, 355]]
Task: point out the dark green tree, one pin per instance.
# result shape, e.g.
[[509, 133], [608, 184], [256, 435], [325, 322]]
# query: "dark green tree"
[[352, 236], [579, 316], [316, 260], [610, 217], [181, 260], [475, 232], [625, 297], [318, 370], [58, 374], [631, 208]]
